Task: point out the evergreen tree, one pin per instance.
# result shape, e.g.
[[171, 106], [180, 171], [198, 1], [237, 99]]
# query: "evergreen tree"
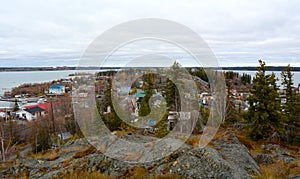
[[16, 108], [148, 87], [287, 83], [199, 72], [292, 129], [231, 112], [264, 112], [291, 109], [171, 95], [111, 120], [145, 109], [246, 79], [171, 92]]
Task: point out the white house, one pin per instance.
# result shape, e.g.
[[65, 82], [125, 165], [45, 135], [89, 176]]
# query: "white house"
[[30, 113], [2, 114], [22, 114], [65, 136]]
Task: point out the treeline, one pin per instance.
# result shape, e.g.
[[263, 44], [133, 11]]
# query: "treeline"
[[31, 89], [243, 79], [3, 69], [270, 68], [199, 72], [235, 77]]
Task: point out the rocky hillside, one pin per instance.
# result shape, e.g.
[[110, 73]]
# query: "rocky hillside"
[[225, 157]]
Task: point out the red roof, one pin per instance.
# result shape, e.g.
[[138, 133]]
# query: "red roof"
[[45, 106]]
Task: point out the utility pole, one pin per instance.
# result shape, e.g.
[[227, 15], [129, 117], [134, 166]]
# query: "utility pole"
[[5, 114], [36, 133], [2, 143], [176, 108], [52, 115]]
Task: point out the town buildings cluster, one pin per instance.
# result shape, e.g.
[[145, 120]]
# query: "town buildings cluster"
[[26, 107]]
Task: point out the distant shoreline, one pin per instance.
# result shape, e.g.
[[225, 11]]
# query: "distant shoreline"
[[20, 69], [16, 69]]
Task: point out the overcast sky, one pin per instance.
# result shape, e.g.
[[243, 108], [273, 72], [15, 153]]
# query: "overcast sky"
[[56, 33]]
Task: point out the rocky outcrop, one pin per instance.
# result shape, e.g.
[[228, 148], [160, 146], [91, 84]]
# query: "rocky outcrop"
[[295, 177], [203, 163], [226, 157], [274, 153], [230, 160], [237, 155]]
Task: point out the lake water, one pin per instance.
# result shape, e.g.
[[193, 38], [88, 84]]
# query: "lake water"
[[8, 80], [278, 75]]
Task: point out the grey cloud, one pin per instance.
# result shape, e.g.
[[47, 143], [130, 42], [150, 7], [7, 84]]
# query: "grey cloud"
[[33, 33]]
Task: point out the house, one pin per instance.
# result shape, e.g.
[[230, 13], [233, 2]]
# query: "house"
[[139, 96], [140, 84], [206, 99], [65, 136], [157, 98], [57, 89], [2, 114], [30, 113], [36, 111], [7, 105], [45, 106], [67, 81], [172, 119], [23, 115], [100, 78]]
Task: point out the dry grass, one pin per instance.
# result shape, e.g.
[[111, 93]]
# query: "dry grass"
[[66, 163], [167, 176], [39, 155], [193, 141], [295, 169], [220, 133], [23, 175], [85, 174], [75, 137], [49, 155], [136, 172], [7, 164], [83, 153], [122, 133], [274, 171], [253, 146], [53, 155]]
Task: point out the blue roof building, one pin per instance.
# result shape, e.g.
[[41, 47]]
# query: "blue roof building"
[[57, 89]]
